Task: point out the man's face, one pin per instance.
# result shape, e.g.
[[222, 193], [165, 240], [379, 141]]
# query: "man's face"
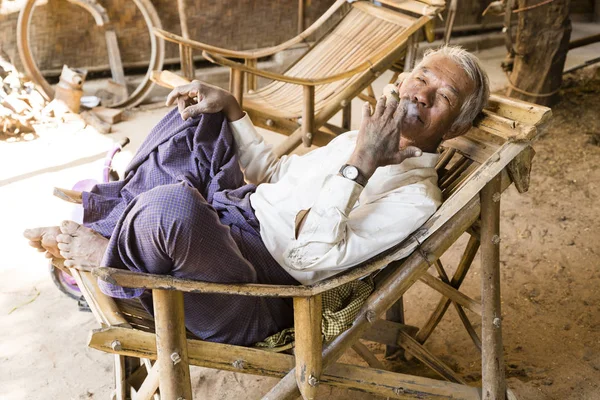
[[435, 92]]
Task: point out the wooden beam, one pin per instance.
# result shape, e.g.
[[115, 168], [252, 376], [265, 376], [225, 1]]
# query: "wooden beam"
[[493, 384], [259, 362]]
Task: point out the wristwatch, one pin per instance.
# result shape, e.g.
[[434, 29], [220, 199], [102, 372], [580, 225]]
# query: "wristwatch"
[[351, 172]]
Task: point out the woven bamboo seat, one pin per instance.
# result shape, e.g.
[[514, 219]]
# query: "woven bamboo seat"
[[474, 170], [368, 40]]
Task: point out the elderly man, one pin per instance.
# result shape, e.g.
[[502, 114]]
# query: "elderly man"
[[185, 207]]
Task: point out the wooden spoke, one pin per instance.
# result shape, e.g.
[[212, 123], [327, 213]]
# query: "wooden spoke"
[[459, 310], [457, 279], [451, 293], [367, 355], [426, 357]]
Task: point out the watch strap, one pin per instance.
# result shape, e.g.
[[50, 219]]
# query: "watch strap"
[[360, 178]]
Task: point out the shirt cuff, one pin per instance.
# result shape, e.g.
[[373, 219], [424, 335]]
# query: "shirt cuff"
[[336, 199], [244, 132]]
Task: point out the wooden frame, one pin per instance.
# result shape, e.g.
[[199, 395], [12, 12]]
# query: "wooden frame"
[[472, 205]]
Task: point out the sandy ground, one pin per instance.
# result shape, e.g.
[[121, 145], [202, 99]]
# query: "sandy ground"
[[549, 252]]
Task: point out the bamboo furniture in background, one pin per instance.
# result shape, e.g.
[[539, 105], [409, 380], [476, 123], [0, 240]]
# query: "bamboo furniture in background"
[[473, 172], [368, 40]]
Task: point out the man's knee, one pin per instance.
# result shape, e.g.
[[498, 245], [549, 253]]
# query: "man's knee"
[[172, 203]]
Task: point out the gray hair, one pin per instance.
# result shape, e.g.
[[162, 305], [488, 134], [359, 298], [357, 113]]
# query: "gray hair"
[[477, 100]]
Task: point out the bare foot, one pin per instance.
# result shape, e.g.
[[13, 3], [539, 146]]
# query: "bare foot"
[[81, 247], [44, 240]]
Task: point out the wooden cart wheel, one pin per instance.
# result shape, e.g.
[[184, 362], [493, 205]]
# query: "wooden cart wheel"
[[157, 52]]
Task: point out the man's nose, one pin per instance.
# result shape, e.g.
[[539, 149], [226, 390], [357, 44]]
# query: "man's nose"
[[422, 96]]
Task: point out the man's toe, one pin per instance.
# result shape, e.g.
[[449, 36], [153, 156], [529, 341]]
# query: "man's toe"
[[69, 227], [34, 234], [62, 238]]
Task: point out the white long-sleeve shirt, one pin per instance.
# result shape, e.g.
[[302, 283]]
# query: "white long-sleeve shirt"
[[347, 224]]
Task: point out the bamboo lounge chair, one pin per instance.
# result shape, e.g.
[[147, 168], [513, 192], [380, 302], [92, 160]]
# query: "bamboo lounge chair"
[[474, 170], [339, 66]]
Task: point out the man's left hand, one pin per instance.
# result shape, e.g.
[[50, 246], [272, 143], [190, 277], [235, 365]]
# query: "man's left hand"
[[197, 98]]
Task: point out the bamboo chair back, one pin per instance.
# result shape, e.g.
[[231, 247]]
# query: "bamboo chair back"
[[367, 33]]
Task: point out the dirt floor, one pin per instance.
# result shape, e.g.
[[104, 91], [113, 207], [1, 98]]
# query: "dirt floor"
[[550, 256]]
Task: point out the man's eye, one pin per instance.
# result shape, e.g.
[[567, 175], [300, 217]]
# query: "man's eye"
[[420, 79], [446, 98]]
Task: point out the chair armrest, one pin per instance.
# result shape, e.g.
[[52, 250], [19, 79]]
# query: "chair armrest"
[[216, 59], [129, 279]]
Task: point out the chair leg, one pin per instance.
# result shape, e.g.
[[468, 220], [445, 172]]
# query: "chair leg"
[[493, 384], [171, 345], [307, 326], [120, 378]]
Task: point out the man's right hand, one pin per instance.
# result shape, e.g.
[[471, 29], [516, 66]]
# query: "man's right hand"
[[197, 98], [378, 142]]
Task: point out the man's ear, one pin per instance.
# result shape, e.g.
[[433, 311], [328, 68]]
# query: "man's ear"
[[456, 132]]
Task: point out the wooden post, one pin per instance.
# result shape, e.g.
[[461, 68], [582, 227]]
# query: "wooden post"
[[185, 52], [171, 345], [300, 16], [237, 85], [308, 115], [347, 116], [492, 359], [541, 48], [307, 326]]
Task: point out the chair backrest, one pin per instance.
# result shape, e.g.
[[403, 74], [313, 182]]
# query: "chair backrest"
[[366, 33]]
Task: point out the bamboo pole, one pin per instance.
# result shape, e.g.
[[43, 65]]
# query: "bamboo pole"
[[307, 324], [171, 345], [492, 360], [308, 115]]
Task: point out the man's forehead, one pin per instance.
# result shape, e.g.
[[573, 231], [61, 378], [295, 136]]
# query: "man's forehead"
[[446, 70]]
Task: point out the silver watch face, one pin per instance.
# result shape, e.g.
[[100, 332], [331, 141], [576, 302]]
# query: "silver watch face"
[[351, 172]]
